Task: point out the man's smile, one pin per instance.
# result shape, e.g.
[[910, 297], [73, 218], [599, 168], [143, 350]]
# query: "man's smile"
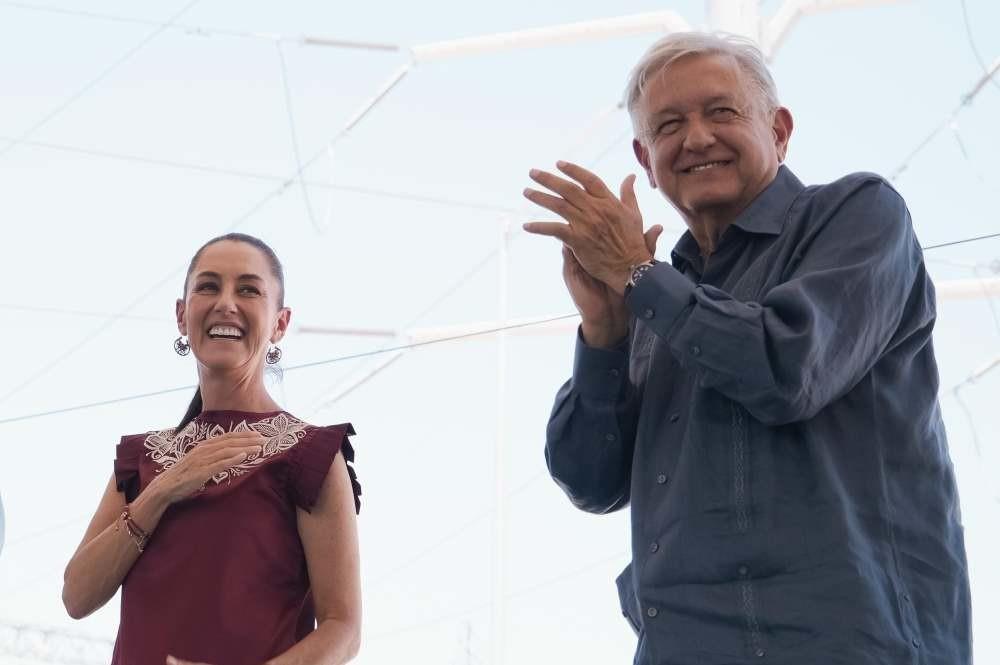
[[705, 166]]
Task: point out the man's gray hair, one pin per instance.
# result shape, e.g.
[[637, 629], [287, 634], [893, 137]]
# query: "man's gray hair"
[[680, 44]]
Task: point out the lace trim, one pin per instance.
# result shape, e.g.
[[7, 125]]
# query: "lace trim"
[[281, 431]]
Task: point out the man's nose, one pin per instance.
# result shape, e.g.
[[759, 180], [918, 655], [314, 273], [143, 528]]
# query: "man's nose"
[[699, 136]]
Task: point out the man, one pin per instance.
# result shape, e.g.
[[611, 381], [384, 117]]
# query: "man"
[[767, 400]]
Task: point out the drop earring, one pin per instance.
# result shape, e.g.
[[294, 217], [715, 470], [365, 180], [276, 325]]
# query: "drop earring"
[[273, 355], [182, 346]]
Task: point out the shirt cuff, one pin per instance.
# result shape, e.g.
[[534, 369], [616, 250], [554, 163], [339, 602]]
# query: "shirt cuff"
[[598, 373], [660, 298]]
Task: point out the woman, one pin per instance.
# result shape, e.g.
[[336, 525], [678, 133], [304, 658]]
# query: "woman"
[[232, 534]]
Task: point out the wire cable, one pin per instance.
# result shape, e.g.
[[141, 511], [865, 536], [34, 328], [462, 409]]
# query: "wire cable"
[[316, 363], [586, 568], [268, 177], [236, 224], [94, 334], [79, 312], [294, 136], [128, 55], [203, 31], [972, 43], [962, 242], [328, 361], [966, 100], [450, 536], [973, 430]]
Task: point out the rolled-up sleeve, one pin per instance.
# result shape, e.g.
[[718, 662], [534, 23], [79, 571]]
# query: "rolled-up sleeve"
[[814, 335], [591, 432]]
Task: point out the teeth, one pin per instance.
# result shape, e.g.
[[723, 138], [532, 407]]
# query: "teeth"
[[225, 331], [702, 167]]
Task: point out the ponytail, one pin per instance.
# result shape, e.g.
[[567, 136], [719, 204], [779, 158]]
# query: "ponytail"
[[193, 410]]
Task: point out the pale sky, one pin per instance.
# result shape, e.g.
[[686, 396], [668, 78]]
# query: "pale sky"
[[125, 169]]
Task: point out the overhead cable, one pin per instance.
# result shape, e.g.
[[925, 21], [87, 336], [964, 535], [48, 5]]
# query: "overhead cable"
[[285, 181], [118, 62], [365, 354]]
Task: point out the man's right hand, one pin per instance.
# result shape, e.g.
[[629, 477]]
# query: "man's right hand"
[[603, 312], [205, 460]]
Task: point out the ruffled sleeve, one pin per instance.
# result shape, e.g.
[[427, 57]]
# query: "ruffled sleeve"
[[310, 462], [128, 454]]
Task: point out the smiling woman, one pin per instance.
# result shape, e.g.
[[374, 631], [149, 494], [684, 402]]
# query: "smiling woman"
[[234, 533], [203, 280]]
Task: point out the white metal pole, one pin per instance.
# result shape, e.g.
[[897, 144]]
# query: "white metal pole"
[[741, 17], [567, 33], [499, 610], [775, 29]]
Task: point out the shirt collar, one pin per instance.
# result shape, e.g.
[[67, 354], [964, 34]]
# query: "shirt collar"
[[765, 214]]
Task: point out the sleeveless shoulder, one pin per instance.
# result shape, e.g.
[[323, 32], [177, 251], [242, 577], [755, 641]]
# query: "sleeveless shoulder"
[[310, 459], [128, 454]]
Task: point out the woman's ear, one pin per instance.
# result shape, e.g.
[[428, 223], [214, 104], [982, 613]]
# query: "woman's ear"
[[179, 311], [281, 325]]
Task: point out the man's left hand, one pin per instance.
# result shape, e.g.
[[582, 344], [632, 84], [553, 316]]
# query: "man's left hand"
[[604, 231]]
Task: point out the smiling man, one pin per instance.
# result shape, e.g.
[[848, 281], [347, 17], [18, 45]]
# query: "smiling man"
[[767, 400]]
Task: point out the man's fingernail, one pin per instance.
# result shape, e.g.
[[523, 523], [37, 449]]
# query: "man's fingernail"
[[533, 172], [560, 163], [528, 191]]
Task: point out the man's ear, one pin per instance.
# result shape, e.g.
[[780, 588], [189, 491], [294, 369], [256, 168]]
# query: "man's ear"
[[781, 126], [281, 326], [642, 155], [179, 313]]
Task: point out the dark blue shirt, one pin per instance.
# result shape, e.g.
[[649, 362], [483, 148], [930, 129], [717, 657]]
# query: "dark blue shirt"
[[773, 421]]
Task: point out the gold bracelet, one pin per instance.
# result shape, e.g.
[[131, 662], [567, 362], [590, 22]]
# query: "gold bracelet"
[[138, 536]]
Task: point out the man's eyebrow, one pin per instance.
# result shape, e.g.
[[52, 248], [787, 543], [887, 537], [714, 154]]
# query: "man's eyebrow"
[[667, 110], [715, 99], [726, 99]]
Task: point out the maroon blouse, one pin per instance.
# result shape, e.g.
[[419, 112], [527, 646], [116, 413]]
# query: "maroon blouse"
[[223, 579]]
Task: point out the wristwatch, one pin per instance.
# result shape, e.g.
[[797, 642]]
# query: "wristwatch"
[[636, 273]]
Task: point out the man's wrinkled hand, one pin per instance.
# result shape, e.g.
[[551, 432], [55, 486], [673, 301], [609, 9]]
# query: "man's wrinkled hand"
[[603, 231]]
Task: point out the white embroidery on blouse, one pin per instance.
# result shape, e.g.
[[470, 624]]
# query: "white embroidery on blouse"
[[281, 432]]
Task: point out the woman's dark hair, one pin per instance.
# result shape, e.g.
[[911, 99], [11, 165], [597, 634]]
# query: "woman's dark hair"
[[279, 274]]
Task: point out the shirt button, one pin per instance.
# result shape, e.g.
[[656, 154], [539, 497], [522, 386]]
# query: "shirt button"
[[760, 653], [915, 642], [744, 571], [648, 313], [651, 612], [906, 597], [609, 437], [654, 548], [615, 373], [674, 417], [661, 479], [696, 350]]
